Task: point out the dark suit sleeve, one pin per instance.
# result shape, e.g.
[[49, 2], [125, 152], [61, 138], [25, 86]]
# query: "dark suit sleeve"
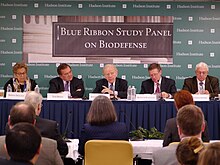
[[33, 84], [53, 86], [142, 88], [187, 85], [122, 91], [167, 138], [172, 87], [98, 87], [214, 86], [78, 88]]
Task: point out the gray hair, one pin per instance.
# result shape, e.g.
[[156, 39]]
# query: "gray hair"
[[33, 98], [202, 65]]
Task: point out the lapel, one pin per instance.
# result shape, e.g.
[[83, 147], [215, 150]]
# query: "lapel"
[[163, 84], [194, 85], [151, 88], [117, 84], [105, 83], [61, 84], [207, 83]]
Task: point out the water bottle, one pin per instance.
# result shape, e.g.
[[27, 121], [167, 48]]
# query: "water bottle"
[[37, 89], [129, 93], [133, 93], [9, 88]]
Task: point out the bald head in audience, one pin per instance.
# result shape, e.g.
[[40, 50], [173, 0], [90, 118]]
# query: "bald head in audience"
[[21, 112]]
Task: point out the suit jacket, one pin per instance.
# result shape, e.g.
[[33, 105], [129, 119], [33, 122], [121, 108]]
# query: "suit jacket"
[[165, 156], [167, 85], [10, 81], [49, 154], [12, 162], [171, 133], [56, 86], [120, 85], [49, 129], [211, 84], [113, 131]]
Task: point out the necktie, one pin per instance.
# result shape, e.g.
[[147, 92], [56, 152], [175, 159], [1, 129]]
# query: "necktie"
[[66, 86], [200, 85], [111, 87], [157, 88]]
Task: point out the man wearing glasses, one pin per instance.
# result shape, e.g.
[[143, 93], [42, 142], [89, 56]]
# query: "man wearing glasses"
[[20, 81], [158, 84], [202, 83], [66, 82]]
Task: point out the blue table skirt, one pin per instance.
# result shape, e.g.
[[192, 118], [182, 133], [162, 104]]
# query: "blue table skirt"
[[133, 113]]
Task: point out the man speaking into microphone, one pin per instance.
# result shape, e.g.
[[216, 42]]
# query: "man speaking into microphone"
[[202, 83], [111, 84]]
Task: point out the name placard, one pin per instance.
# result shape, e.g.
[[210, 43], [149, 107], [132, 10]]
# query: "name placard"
[[146, 97], [200, 97], [92, 96], [16, 95], [57, 96]]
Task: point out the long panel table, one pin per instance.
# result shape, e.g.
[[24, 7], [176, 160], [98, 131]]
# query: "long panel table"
[[71, 114]]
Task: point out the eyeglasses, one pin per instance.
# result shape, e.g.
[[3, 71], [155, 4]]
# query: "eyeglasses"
[[20, 74], [154, 74]]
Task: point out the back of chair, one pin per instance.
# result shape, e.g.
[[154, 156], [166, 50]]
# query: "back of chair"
[[108, 152]]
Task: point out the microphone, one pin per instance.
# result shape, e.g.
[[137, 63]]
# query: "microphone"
[[64, 136]]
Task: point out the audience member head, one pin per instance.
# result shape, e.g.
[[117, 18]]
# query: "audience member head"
[[110, 72], [210, 155], [20, 72], [188, 150], [21, 112], [190, 121], [201, 71], [101, 112], [182, 97], [65, 72], [23, 142], [155, 72], [35, 99]]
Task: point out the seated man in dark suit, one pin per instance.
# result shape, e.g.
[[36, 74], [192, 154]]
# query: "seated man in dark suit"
[[111, 84], [157, 83], [202, 83], [23, 144], [24, 112], [66, 82], [48, 128], [181, 98]]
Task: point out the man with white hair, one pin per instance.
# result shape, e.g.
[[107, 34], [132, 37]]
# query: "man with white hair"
[[202, 83], [111, 84], [48, 128]]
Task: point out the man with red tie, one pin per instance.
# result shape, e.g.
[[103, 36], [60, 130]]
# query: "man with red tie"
[[158, 83]]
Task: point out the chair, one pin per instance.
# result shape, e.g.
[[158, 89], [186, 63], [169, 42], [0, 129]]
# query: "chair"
[[108, 152]]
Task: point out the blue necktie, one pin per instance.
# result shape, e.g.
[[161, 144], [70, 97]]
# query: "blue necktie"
[[111, 86], [66, 86]]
